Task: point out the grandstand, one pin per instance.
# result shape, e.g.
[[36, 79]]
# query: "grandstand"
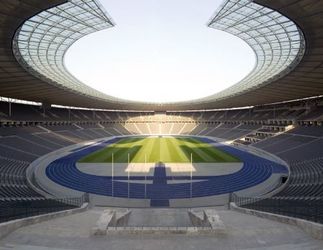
[[252, 149]]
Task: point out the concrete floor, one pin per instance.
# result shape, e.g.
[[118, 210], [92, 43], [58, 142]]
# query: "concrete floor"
[[159, 218], [243, 232]]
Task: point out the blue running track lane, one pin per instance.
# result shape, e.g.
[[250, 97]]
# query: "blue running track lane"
[[254, 171], [159, 185]]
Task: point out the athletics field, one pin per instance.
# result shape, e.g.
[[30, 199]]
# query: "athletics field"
[[159, 149]]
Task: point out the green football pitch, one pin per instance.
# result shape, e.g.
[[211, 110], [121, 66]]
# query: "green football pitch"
[[159, 149]]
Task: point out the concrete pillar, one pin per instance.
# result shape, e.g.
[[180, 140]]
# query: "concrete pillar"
[[9, 108], [45, 106]]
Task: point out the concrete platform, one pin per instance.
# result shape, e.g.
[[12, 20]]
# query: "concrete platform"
[[242, 232], [159, 218]]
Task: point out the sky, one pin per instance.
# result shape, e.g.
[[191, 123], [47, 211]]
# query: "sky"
[[160, 51]]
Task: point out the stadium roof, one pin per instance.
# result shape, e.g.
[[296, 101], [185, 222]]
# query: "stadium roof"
[[284, 34]]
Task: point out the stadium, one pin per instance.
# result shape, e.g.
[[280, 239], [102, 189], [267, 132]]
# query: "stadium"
[[238, 169]]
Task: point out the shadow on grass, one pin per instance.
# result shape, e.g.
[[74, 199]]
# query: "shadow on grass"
[[215, 154]]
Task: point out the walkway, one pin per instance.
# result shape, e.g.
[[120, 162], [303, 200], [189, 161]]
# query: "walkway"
[[243, 232]]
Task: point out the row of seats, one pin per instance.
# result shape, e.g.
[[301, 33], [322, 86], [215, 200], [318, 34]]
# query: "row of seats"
[[20, 208], [19, 150], [306, 171], [311, 109], [300, 208], [303, 193], [305, 182]]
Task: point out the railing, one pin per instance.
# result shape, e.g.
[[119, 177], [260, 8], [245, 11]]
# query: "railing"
[[10, 210], [308, 209]]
